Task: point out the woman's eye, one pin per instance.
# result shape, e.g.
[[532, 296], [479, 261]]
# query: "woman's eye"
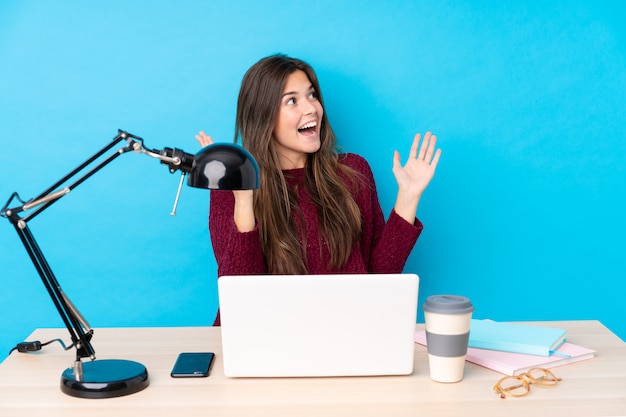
[[291, 101], [313, 95]]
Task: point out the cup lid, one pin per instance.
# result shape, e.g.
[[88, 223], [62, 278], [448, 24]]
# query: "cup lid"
[[448, 304]]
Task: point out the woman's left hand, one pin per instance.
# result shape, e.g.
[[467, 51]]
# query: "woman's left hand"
[[415, 175]]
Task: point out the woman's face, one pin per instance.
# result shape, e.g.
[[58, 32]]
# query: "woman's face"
[[296, 133]]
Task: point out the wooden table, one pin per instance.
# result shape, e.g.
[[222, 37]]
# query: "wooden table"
[[29, 383]]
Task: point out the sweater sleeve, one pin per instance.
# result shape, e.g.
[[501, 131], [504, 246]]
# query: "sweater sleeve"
[[236, 253], [386, 245], [396, 242]]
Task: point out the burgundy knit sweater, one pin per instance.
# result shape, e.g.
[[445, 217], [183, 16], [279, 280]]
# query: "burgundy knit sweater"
[[384, 246]]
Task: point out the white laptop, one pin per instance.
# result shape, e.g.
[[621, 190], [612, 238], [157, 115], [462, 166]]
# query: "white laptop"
[[318, 325]]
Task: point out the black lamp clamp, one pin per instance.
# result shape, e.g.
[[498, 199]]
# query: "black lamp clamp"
[[217, 166]]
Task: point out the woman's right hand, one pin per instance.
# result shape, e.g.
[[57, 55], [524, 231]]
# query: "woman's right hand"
[[244, 208], [204, 139]]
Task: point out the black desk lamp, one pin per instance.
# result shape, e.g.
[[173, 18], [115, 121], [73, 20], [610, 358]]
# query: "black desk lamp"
[[218, 167]]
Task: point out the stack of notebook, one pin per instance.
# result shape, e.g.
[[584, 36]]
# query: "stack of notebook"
[[513, 349]]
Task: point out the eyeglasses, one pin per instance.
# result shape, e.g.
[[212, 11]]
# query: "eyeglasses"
[[519, 385]]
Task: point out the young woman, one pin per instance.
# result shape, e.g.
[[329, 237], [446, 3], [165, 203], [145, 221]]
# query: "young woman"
[[316, 211]]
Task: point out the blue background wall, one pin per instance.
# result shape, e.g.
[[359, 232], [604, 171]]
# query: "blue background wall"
[[525, 214]]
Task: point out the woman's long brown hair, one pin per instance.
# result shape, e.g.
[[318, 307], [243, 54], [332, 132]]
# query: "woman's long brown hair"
[[275, 202]]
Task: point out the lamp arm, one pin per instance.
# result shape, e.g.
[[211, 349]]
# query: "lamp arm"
[[117, 139], [163, 158], [81, 336], [51, 195], [79, 329]]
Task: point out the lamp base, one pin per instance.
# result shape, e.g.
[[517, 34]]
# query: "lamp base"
[[105, 378]]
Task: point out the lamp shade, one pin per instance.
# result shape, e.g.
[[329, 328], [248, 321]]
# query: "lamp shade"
[[224, 166]]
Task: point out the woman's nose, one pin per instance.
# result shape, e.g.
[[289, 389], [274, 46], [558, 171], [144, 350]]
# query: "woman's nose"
[[309, 108]]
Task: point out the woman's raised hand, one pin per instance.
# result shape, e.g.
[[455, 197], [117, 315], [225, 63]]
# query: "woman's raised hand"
[[204, 139], [415, 175]]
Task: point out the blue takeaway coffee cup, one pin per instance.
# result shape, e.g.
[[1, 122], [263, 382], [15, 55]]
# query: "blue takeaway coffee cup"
[[447, 320]]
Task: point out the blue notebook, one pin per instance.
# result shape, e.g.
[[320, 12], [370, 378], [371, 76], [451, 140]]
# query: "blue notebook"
[[517, 338]]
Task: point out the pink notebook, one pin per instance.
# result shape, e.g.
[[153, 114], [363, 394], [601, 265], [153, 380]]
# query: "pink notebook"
[[516, 363]]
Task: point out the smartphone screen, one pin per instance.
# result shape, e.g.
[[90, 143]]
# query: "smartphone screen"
[[193, 364]]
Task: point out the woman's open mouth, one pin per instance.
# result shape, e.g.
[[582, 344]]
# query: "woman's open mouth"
[[308, 129]]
